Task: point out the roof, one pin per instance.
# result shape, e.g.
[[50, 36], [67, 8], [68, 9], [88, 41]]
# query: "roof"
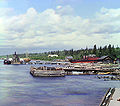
[[103, 57]]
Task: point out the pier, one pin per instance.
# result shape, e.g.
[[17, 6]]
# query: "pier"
[[48, 62], [115, 101], [107, 97], [111, 98]]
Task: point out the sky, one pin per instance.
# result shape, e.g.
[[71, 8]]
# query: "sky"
[[47, 25]]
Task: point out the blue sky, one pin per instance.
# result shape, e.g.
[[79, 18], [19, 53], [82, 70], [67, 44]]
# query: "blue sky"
[[82, 7], [57, 24]]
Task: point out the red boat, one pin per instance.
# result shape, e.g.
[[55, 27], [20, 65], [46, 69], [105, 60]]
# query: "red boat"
[[86, 60], [106, 59]]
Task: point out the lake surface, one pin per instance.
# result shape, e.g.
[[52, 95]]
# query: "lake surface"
[[19, 88]]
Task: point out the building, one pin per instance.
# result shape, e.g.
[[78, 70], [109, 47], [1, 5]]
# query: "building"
[[106, 59], [52, 55]]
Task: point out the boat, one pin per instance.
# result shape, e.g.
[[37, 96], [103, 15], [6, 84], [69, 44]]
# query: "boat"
[[47, 72], [94, 59], [86, 60], [104, 73], [7, 62]]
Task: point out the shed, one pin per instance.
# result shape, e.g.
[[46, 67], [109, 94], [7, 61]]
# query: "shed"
[[106, 59]]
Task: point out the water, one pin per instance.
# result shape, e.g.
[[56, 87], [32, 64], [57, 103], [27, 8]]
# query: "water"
[[19, 88]]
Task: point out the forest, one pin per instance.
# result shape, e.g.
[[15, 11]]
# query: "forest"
[[109, 50]]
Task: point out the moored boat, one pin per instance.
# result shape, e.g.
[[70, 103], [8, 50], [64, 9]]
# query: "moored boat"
[[103, 59], [86, 60]]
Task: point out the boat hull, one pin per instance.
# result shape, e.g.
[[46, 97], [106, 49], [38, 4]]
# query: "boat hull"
[[7, 62], [84, 61]]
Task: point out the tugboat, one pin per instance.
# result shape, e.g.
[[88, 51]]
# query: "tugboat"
[[15, 60]]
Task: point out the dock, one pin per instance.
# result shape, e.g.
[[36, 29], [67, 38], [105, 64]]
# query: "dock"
[[111, 98], [115, 101], [107, 97]]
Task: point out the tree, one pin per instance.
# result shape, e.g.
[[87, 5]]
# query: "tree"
[[105, 50], [113, 54], [71, 52], [100, 51], [109, 49], [94, 49]]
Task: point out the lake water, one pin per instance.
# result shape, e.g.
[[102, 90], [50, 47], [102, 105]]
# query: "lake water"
[[19, 88]]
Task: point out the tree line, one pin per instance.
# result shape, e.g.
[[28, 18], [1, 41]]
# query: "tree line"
[[109, 50]]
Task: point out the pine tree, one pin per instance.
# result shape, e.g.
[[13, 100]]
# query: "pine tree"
[[113, 54], [109, 49], [100, 52], [105, 50], [94, 50]]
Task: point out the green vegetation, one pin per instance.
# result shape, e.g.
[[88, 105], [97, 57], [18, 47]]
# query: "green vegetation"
[[77, 54]]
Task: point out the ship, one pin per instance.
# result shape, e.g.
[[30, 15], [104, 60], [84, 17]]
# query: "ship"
[[86, 60], [14, 60]]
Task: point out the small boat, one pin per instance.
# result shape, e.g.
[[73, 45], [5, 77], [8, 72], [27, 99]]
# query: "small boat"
[[103, 73], [47, 72]]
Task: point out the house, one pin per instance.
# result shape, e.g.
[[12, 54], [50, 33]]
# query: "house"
[[106, 59]]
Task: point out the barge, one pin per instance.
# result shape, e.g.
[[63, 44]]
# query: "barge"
[[47, 72]]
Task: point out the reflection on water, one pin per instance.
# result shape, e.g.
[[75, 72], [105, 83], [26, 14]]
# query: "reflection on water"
[[19, 88]]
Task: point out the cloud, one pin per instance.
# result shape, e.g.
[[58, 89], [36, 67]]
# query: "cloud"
[[59, 28], [67, 10], [6, 12]]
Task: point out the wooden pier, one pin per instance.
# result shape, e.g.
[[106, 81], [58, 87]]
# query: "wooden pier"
[[49, 62], [108, 97], [115, 101], [111, 98]]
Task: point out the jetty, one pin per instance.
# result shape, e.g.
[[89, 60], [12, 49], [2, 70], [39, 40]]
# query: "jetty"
[[47, 72], [109, 77], [111, 98], [91, 69], [107, 97], [115, 101], [49, 62]]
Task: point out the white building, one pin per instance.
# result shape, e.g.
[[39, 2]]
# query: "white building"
[[52, 55]]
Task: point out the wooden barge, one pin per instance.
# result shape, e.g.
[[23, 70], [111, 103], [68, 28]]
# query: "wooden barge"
[[47, 72]]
